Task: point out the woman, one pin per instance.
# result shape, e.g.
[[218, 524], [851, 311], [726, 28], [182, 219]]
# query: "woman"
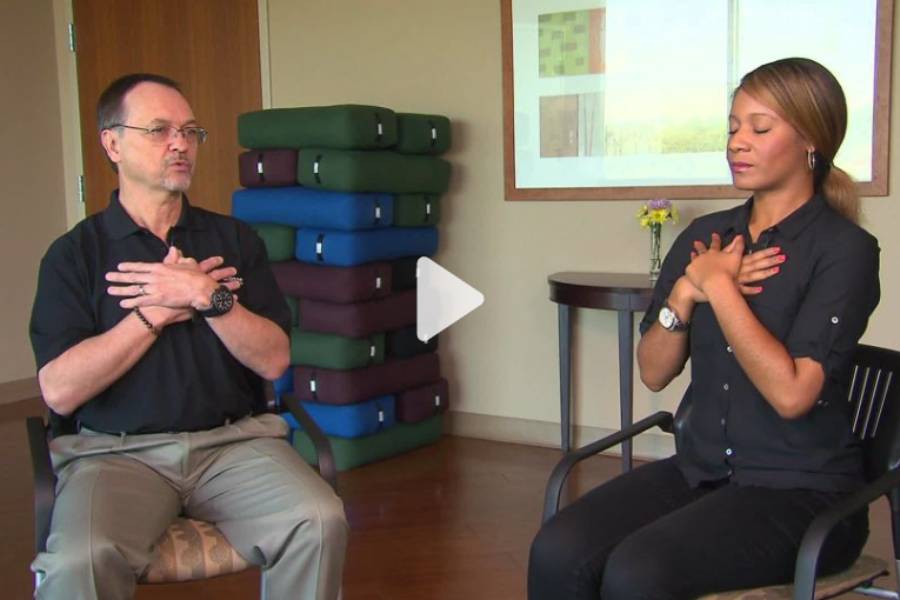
[[769, 300]]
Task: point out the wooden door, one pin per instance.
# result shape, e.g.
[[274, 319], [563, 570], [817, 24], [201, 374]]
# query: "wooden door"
[[211, 47]]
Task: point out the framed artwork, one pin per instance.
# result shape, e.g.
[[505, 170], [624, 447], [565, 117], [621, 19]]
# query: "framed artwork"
[[629, 99]]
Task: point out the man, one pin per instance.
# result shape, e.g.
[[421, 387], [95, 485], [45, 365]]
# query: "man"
[[139, 338]]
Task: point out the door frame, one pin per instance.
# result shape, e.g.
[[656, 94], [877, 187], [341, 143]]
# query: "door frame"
[[67, 82]]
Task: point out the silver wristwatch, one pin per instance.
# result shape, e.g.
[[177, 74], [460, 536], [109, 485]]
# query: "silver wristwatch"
[[669, 319]]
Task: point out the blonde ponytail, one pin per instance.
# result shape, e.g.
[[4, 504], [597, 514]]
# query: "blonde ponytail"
[[840, 193]]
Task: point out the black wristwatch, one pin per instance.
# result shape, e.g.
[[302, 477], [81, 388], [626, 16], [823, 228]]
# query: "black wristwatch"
[[220, 302]]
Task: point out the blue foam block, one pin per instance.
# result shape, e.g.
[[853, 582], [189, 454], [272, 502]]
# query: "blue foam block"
[[347, 249], [353, 420], [285, 383], [302, 207], [291, 421]]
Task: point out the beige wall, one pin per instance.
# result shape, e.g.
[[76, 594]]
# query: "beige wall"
[[444, 57], [32, 211], [424, 56]]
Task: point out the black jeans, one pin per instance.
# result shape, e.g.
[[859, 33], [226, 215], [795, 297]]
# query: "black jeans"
[[647, 534]]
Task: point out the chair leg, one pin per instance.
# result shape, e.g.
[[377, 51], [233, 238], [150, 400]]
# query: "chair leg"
[[897, 571]]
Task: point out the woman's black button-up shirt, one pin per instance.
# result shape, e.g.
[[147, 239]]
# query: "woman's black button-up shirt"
[[818, 306]]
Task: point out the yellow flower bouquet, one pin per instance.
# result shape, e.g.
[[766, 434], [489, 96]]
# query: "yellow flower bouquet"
[[653, 215], [657, 212]]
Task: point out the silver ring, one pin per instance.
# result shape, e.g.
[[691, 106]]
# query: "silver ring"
[[141, 290]]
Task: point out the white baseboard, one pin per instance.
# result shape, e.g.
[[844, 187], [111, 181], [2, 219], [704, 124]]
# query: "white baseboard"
[[649, 445]]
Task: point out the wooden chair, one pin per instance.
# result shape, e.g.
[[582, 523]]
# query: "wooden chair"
[[875, 399], [189, 549]]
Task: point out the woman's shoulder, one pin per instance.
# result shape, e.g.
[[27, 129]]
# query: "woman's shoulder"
[[837, 231]]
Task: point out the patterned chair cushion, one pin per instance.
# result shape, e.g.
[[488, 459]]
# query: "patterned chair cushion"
[[865, 569], [191, 549]]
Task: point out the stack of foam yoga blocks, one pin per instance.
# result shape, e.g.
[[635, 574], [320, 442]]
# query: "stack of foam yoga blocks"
[[346, 199]]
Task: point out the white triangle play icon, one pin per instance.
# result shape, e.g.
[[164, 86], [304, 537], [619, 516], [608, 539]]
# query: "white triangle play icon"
[[442, 298]]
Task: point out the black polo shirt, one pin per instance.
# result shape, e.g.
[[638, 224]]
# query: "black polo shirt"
[[187, 380], [818, 306]]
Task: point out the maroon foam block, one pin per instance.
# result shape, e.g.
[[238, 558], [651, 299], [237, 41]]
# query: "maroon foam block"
[[267, 168], [334, 284], [330, 386], [358, 319], [422, 402]]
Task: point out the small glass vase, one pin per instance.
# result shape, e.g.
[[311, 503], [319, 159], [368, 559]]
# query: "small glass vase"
[[655, 261]]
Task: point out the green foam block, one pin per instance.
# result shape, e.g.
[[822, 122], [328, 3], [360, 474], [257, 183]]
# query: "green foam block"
[[329, 351], [343, 126], [350, 453], [416, 210], [278, 239], [422, 134], [295, 312], [372, 171]]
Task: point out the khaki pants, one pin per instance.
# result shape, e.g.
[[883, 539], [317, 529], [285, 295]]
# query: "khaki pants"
[[116, 495]]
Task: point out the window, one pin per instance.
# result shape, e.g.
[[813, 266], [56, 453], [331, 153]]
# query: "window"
[[630, 98]]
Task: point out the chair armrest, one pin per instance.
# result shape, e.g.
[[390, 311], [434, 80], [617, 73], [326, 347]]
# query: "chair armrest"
[[818, 530], [324, 455], [661, 419], [44, 480]]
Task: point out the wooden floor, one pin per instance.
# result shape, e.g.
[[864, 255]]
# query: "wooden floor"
[[451, 521]]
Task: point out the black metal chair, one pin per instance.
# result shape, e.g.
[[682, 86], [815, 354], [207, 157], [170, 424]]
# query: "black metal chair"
[[200, 537], [875, 398]]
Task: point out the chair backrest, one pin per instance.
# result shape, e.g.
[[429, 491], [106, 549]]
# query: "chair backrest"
[[874, 397], [875, 402], [44, 480]]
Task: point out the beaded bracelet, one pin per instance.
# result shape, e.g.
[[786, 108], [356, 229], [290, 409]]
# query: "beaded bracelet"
[[146, 321]]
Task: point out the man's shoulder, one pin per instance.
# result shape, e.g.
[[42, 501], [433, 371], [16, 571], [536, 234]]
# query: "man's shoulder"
[[74, 241]]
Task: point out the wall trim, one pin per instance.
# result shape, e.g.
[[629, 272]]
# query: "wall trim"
[[649, 445], [19, 389], [69, 118], [265, 68]]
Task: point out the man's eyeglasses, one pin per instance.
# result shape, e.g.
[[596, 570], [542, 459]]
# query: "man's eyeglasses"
[[164, 133]]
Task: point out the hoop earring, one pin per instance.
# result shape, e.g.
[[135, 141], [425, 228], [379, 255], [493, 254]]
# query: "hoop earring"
[[811, 159]]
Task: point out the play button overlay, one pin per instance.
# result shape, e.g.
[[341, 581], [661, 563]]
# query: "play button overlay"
[[442, 299]]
